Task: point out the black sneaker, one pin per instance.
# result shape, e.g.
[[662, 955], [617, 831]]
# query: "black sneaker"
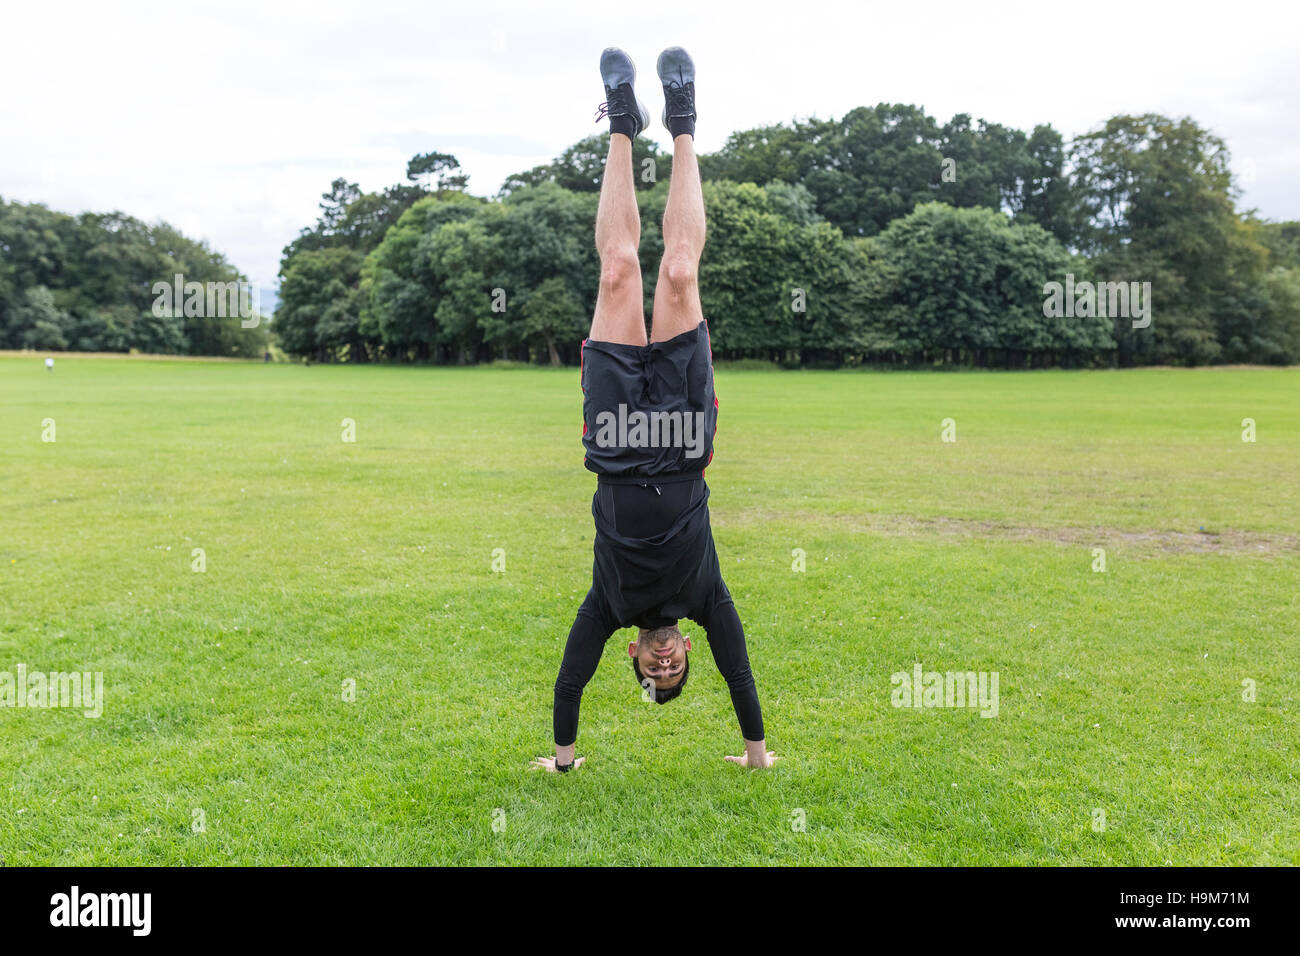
[[621, 105], [677, 74]]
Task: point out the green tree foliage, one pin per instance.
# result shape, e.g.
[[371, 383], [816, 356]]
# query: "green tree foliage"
[[425, 168], [882, 236], [400, 287], [554, 314], [1158, 205], [967, 285], [546, 234], [87, 283], [1282, 240], [320, 304], [877, 164], [35, 322], [581, 167], [465, 262], [354, 219], [354, 222], [458, 279], [763, 273]]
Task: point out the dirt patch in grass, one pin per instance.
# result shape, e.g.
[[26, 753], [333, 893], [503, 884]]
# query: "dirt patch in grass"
[[1226, 541], [1223, 541]]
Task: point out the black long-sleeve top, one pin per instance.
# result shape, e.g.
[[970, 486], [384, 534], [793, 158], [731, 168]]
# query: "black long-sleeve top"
[[655, 563]]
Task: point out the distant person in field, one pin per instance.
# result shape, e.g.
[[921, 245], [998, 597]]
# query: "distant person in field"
[[649, 416]]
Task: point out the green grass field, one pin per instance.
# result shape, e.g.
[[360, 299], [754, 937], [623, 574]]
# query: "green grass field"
[[328, 561]]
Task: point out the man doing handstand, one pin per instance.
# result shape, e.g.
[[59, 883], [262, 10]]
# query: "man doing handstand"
[[649, 414]]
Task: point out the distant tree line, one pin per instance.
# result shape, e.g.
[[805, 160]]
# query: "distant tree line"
[[880, 237], [87, 283]]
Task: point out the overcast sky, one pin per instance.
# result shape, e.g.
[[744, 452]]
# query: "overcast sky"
[[230, 119]]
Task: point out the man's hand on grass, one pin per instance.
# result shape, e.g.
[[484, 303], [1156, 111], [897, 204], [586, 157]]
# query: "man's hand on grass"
[[548, 763], [756, 755]]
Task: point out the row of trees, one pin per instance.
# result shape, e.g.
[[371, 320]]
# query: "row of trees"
[[883, 236], [462, 279], [86, 283]]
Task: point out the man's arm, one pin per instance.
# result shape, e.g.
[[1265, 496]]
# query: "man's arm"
[[587, 639], [727, 642]]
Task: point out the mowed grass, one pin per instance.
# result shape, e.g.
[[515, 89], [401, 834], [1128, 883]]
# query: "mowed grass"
[[1119, 692]]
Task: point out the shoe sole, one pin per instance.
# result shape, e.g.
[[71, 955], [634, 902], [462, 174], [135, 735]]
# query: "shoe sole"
[[612, 51], [673, 51], [670, 52]]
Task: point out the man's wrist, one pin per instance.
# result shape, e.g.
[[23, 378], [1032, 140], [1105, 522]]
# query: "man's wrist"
[[565, 756]]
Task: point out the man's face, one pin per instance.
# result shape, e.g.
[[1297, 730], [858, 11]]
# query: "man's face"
[[661, 655]]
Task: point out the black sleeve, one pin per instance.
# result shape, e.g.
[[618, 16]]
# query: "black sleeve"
[[727, 641], [587, 638]]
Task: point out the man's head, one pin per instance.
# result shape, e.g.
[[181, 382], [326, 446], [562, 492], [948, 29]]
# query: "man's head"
[[659, 656]]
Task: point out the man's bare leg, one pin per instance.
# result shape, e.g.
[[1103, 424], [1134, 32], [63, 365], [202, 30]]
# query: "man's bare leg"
[[620, 310], [677, 295]]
